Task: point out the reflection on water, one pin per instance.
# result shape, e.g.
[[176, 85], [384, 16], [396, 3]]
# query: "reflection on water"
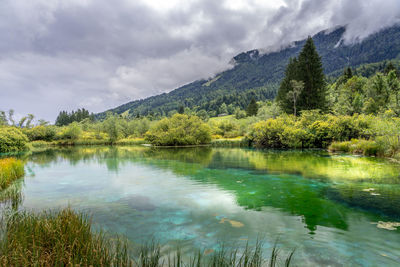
[[327, 206]]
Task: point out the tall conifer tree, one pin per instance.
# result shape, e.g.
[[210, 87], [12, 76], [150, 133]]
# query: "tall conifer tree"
[[311, 73], [252, 108], [308, 69]]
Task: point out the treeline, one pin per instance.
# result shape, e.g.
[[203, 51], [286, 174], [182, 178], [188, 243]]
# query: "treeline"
[[356, 94], [208, 104], [369, 69], [65, 118]]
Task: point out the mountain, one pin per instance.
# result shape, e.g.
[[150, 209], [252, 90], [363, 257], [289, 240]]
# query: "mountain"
[[257, 75]]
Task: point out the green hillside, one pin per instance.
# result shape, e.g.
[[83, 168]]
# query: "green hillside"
[[257, 75]]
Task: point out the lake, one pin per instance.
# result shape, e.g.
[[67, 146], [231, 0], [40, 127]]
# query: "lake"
[[335, 210]]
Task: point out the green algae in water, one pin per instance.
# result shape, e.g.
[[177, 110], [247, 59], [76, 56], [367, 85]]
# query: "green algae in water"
[[318, 203]]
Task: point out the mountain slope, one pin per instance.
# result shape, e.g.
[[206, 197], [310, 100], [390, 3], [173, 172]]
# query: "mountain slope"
[[258, 75]]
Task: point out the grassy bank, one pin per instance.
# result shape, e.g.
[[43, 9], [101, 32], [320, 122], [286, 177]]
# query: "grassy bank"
[[87, 142], [66, 238], [10, 170], [240, 141], [63, 238], [355, 146]]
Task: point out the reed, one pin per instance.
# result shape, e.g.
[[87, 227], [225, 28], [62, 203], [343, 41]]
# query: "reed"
[[62, 238], [12, 197], [150, 256]]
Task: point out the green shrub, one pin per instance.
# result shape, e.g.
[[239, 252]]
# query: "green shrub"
[[45, 133], [71, 132], [340, 146], [314, 130], [12, 140], [293, 137], [323, 133], [269, 133], [113, 127], [240, 114], [225, 128], [179, 130]]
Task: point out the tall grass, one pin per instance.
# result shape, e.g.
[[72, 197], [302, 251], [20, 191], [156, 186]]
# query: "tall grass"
[[87, 142], [11, 197], [10, 170], [150, 256], [230, 142], [63, 238], [355, 146]]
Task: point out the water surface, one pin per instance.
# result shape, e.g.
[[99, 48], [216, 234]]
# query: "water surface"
[[331, 208]]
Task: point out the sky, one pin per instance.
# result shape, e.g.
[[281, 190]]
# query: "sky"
[[97, 54]]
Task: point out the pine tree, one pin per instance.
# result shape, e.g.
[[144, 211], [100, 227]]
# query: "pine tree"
[[311, 73], [307, 68], [348, 74], [252, 108], [389, 68]]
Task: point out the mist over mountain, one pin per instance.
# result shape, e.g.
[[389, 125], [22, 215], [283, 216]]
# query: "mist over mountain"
[[257, 74]]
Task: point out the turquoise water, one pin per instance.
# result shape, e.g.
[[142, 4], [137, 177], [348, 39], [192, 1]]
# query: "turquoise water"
[[336, 210]]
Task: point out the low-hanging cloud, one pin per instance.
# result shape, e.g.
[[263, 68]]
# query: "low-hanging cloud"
[[58, 55]]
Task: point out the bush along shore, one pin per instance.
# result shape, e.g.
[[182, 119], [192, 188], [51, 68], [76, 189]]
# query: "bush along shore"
[[368, 135]]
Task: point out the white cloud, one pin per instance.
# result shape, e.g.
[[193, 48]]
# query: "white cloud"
[[58, 55], [157, 75]]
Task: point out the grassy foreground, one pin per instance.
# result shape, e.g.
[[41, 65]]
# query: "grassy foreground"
[[66, 238], [63, 238]]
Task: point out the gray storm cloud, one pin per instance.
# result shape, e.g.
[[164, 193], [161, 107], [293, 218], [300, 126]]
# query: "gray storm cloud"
[[58, 55]]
